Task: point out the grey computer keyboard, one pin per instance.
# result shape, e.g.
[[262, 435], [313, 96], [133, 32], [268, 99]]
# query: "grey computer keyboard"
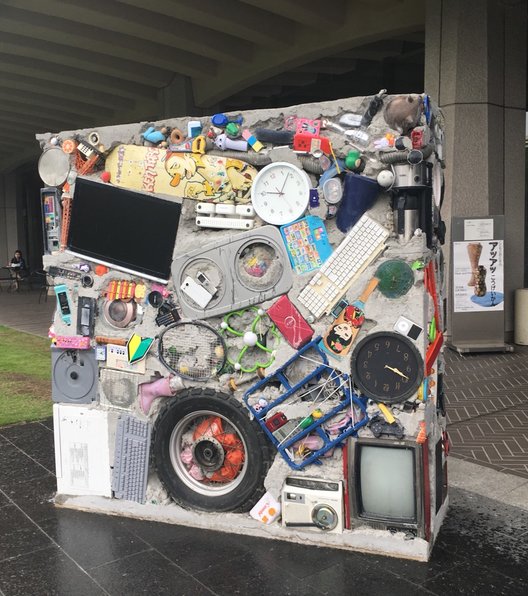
[[132, 447]]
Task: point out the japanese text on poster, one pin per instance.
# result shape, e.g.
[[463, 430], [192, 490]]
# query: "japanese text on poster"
[[478, 276]]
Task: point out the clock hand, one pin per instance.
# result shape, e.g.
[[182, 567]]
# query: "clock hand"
[[283, 184], [397, 371]]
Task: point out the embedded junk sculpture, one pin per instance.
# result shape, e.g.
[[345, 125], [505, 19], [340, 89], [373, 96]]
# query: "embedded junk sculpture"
[[249, 320]]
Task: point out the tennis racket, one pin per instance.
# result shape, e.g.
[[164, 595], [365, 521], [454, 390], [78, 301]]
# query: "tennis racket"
[[192, 350]]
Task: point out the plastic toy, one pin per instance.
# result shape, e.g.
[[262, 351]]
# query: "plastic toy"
[[154, 136], [255, 337]]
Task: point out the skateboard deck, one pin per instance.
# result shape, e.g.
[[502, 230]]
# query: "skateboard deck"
[[342, 333], [206, 178]]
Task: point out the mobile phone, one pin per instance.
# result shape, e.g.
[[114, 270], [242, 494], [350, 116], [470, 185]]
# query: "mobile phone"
[[63, 303], [205, 282], [290, 322], [196, 292]]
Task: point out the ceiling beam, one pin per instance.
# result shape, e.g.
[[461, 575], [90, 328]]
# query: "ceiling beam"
[[78, 40], [45, 102], [398, 18], [64, 75], [156, 36], [12, 140], [20, 126], [330, 65], [310, 13], [68, 92], [251, 23], [40, 121], [292, 79], [64, 55]]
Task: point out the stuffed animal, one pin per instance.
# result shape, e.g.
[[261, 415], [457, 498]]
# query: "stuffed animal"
[[403, 112]]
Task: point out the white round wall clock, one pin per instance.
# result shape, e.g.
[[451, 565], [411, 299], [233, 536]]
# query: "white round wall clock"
[[280, 193]]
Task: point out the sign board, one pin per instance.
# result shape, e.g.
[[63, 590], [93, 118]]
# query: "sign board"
[[477, 284]]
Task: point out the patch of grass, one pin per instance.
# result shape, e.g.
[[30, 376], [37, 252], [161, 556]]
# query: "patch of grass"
[[25, 374]]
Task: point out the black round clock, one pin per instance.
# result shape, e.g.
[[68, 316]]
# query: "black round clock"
[[387, 367]]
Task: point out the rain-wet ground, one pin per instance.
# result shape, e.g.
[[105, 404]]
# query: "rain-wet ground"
[[482, 547]]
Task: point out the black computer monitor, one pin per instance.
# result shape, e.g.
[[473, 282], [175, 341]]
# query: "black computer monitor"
[[125, 229], [385, 483]]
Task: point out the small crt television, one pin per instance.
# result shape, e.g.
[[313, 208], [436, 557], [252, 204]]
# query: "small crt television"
[[385, 484]]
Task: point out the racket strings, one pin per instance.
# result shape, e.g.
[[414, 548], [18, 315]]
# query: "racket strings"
[[193, 351]]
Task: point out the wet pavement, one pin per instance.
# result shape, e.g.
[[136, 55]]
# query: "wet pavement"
[[482, 547]]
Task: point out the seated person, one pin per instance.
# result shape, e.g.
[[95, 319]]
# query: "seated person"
[[18, 268]]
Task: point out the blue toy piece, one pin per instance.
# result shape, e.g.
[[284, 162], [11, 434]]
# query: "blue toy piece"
[[347, 399], [221, 120], [153, 136]]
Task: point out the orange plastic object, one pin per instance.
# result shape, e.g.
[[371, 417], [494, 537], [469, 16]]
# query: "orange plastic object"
[[176, 136], [69, 146], [120, 290], [234, 450], [85, 166], [66, 218], [101, 270], [421, 438]]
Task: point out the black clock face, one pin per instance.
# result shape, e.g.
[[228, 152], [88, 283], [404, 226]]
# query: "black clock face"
[[387, 367]]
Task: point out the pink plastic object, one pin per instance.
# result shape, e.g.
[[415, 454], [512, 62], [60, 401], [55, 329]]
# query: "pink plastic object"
[[186, 456], [148, 392], [72, 342], [161, 289]]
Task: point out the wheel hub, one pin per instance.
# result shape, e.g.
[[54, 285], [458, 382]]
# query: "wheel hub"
[[209, 454]]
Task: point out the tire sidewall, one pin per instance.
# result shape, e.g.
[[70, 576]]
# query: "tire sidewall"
[[250, 488]]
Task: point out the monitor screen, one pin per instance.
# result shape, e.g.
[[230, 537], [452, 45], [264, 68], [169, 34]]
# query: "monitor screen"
[[387, 482], [129, 230]]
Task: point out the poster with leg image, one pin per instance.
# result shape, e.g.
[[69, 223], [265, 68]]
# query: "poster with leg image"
[[478, 275]]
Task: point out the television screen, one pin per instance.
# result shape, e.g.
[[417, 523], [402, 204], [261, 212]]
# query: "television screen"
[[385, 483], [128, 230]]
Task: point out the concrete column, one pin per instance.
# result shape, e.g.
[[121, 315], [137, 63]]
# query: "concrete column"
[[8, 218], [475, 67], [176, 99]]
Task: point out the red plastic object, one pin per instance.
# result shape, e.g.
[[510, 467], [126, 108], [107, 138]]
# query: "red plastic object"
[[432, 352], [310, 143], [290, 322], [276, 421]]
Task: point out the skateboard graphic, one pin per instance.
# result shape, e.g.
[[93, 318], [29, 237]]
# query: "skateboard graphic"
[[206, 178], [342, 333]]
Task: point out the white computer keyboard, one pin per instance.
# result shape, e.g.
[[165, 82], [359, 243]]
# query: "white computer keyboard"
[[358, 249]]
